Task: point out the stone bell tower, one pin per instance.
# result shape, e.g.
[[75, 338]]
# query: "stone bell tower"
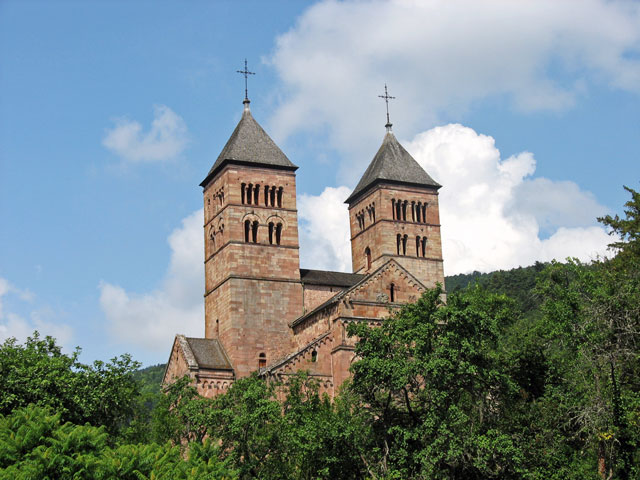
[[393, 213], [252, 266]]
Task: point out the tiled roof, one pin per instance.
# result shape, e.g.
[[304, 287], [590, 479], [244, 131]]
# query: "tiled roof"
[[208, 353], [392, 164], [249, 144], [334, 279]]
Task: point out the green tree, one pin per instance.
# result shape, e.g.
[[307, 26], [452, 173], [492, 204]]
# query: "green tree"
[[38, 372], [434, 390]]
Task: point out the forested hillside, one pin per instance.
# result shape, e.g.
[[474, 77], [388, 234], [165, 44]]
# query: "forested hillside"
[[532, 373]]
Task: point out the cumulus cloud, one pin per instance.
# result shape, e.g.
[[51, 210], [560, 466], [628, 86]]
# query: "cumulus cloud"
[[324, 230], [439, 55], [494, 214], [165, 140], [13, 324], [150, 320]]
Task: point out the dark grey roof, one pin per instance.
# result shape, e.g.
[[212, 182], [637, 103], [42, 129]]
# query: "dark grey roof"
[[249, 144], [334, 279], [209, 353], [392, 164]]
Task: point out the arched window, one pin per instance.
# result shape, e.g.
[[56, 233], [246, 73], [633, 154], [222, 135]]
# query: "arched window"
[[243, 189], [256, 195], [418, 210], [424, 213], [247, 229], [272, 196], [373, 212], [314, 356], [278, 233], [254, 231], [367, 254], [404, 245], [271, 228], [262, 360], [398, 240], [266, 195], [392, 293], [398, 210], [404, 210], [280, 191], [417, 246], [393, 208], [413, 211], [424, 246]]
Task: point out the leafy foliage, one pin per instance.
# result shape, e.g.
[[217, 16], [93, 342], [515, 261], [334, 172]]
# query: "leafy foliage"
[[38, 372]]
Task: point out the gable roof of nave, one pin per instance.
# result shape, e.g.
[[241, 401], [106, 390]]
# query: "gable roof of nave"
[[363, 286]]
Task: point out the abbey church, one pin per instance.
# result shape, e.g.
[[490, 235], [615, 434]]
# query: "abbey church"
[[262, 311]]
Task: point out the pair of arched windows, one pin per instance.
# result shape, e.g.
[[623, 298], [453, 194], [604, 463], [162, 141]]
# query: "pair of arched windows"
[[401, 244], [251, 231], [275, 233], [421, 246]]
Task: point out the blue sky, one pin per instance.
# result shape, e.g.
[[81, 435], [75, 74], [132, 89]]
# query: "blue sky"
[[111, 113]]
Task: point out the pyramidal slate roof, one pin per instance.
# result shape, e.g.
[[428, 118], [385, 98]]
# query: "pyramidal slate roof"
[[392, 164], [249, 144]]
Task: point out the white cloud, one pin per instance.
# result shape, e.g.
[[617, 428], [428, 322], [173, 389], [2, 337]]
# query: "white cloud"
[[324, 230], [492, 212], [150, 320], [166, 139], [14, 325], [442, 55]]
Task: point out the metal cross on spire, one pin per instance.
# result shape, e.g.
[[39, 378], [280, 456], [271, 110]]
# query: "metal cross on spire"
[[246, 74], [387, 97]]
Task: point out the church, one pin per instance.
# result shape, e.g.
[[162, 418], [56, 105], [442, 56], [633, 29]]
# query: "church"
[[262, 311]]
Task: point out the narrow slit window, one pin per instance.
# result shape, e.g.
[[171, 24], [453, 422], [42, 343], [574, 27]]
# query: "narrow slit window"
[[243, 188], [271, 229], [424, 213], [404, 245], [418, 209], [392, 293], [256, 195], [397, 244], [314, 356], [404, 210], [278, 233], [393, 208], [417, 246], [413, 211], [424, 246], [280, 191], [266, 195], [373, 212], [272, 196], [367, 254], [262, 360]]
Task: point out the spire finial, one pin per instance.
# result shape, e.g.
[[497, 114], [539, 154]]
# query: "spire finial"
[[246, 74], [387, 97]]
